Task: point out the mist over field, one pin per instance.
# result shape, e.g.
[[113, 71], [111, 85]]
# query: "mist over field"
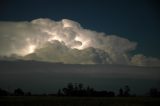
[[44, 77]]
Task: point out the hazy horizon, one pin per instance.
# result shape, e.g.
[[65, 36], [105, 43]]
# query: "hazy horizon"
[[41, 77]]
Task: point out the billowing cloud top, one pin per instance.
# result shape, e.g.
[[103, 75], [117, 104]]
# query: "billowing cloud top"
[[66, 41]]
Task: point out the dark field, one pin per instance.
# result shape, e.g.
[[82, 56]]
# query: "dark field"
[[78, 101]]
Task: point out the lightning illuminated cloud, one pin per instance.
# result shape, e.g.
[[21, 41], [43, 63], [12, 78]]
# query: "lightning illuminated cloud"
[[66, 41]]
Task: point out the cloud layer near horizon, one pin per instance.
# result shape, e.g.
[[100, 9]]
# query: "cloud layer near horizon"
[[66, 41]]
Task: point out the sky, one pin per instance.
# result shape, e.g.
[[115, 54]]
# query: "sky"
[[136, 20], [120, 36]]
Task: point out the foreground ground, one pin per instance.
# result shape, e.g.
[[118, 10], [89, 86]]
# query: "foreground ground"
[[78, 101]]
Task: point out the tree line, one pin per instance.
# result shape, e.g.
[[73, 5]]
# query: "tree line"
[[17, 92], [78, 89]]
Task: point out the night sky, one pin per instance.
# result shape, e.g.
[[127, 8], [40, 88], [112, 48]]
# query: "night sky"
[[136, 20], [58, 36]]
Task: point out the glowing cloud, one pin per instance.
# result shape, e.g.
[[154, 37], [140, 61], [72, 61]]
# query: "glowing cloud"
[[66, 41]]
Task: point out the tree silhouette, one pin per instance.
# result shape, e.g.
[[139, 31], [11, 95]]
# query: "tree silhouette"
[[18, 92], [120, 92], [126, 90], [154, 92], [69, 90], [79, 90], [3, 92], [89, 91], [59, 92], [80, 86]]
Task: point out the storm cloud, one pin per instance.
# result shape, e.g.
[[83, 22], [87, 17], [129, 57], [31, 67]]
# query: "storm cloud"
[[68, 42]]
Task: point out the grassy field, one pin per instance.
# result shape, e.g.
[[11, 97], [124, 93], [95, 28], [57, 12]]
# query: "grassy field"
[[78, 101]]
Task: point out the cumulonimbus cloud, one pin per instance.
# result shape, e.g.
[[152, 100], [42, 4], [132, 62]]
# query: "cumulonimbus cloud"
[[68, 42]]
